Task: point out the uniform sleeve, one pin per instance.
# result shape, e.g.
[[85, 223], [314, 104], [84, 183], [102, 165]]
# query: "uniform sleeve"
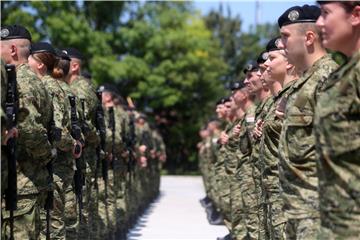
[[32, 133]]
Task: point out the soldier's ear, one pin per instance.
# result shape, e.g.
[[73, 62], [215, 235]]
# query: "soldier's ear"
[[13, 50], [355, 16], [310, 38]]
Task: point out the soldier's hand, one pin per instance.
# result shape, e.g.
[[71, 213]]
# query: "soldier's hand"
[[143, 161], [142, 149], [236, 130], [257, 132], [12, 133], [224, 138], [153, 153], [77, 149]]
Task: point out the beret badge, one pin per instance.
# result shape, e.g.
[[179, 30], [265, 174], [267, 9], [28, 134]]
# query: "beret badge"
[[265, 55], [293, 15], [4, 32]]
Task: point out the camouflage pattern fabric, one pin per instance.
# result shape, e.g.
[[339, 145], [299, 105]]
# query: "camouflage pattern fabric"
[[337, 128], [297, 166]]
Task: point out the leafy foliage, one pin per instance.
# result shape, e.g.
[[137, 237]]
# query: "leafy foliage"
[[160, 53]]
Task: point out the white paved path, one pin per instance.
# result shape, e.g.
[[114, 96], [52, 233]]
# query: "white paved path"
[[177, 213]]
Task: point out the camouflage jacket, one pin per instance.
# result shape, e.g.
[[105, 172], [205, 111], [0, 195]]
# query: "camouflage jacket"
[[83, 89], [269, 155], [337, 128], [297, 167], [61, 107], [33, 145]]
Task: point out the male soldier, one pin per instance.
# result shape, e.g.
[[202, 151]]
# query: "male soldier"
[[85, 94], [244, 172], [34, 148], [244, 103], [337, 124], [212, 210], [222, 182], [281, 76], [121, 159], [297, 167], [204, 134], [231, 149]]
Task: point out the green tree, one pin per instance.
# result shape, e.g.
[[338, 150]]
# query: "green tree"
[[159, 53]]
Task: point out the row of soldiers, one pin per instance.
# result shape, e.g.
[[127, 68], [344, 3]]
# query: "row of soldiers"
[[76, 162], [282, 159]]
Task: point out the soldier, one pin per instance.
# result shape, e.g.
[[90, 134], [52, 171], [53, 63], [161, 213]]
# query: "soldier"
[[337, 125], [203, 134], [34, 148], [254, 83], [85, 94], [222, 182], [42, 61], [297, 166], [213, 215], [244, 102], [231, 152], [281, 76]]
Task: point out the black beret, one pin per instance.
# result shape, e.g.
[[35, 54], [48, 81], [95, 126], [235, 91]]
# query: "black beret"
[[263, 56], [251, 66], [14, 32], [299, 14], [40, 47], [223, 100], [237, 86], [62, 54], [273, 44], [107, 87], [73, 53]]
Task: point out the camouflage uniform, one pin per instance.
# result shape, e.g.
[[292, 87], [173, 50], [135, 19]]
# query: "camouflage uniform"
[[297, 165], [241, 221], [222, 182], [337, 129], [254, 224], [62, 166], [273, 220], [85, 91], [34, 152], [230, 162], [120, 169]]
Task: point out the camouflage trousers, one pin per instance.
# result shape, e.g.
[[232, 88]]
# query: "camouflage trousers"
[[251, 196], [274, 220], [306, 228], [238, 229], [224, 193], [107, 207], [27, 223]]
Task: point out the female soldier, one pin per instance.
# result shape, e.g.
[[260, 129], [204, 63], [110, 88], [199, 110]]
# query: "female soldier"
[[42, 61], [337, 126]]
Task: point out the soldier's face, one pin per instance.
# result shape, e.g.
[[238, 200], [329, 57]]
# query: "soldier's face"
[[6, 50], [238, 97], [276, 66], [337, 26], [293, 42], [253, 82], [263, 75], [220, 111]]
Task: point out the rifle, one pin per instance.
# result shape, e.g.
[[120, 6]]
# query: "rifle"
[[11, 109], [112, 128], [100, 127], [132, 142], [54, 135], [76, 134]]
